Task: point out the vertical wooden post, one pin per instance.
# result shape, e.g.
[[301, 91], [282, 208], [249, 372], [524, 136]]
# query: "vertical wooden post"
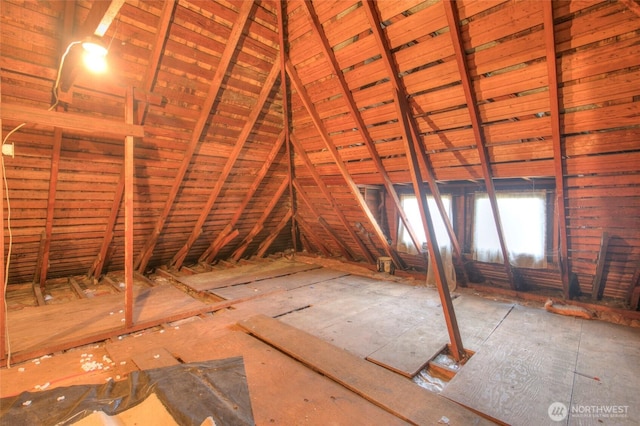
[[128, 212], [3, 312]]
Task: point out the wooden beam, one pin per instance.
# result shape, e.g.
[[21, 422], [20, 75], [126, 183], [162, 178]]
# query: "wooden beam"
[[598, 285], [51, 201], [266, 243], [556, 135], [286, 97], [361, 126], [237, 254], [100, 17], [129, 170], [76, 288], [157, 49], [198, 130], [472, 105], [317, 121], [329, 197], [69, 121], [217, 243], [457, 348], [344, 248], [228, 167]]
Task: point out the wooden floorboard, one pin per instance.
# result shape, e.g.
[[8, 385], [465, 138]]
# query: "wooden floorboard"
[[386, 389], [525, 365], [286, 282]]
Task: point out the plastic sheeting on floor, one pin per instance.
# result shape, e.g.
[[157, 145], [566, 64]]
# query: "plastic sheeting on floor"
[[190, 392]]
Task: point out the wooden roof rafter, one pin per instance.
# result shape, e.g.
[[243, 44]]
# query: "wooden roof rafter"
[[179, 257], [632, 5], [463, 68], [403, 110], [216, 84], [221, 240], [310, 236], [299, 149], [266, 243], [361, 126], [317, 121], [151, 71], [554, 96], [344, 248], [259, 225]]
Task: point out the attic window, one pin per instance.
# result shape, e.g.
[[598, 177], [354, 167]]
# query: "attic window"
[[409, 204], [523, 216]]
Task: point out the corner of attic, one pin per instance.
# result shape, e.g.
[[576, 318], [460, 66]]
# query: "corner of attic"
[[325, 210]]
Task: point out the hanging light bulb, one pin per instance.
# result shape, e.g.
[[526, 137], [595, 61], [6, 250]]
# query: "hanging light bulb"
[[94, 56]]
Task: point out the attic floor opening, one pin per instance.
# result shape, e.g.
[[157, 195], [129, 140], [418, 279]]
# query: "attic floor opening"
[[293, 315]]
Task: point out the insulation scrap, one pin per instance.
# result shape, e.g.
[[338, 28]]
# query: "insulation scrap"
[[60, 398], [26, 403]]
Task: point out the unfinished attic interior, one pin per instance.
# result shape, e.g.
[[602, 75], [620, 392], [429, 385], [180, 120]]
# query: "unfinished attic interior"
[[320, 212]]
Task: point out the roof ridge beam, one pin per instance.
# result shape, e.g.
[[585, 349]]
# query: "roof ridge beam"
[[216, 84]]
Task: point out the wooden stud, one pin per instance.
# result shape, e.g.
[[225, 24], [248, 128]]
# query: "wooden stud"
[[361, 126], [214, 88], [228, 167], [329, 197], [76, 288], [221, 240], [129, 170], [556, 135], [474, 113], [317, 121], [598, 285]]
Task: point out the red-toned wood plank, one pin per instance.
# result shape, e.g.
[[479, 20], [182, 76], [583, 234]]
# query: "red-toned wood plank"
[[266, 243]]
